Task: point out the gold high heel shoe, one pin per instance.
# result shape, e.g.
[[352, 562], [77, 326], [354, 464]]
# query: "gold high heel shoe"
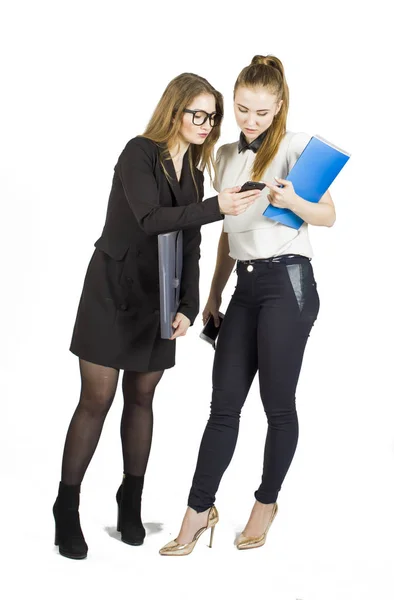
[[175, 549], [246, 543]]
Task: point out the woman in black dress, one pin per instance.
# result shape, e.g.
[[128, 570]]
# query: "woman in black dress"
[[157, 187]]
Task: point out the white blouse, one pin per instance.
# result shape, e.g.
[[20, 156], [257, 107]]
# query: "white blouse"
[[251, 235]]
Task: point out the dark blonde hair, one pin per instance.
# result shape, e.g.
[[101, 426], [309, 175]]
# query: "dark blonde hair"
[[268, 72], [166, 121]]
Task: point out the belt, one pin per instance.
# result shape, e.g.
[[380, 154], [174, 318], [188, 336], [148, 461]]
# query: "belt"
[[283, 258]]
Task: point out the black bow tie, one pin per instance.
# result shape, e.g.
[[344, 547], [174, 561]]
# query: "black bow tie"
[[254, 146]]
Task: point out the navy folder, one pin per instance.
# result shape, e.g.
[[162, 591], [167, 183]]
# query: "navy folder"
[[311, 176], [170, 247]]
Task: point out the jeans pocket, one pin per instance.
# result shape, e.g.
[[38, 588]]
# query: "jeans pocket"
[[304, 288], [297, 277]]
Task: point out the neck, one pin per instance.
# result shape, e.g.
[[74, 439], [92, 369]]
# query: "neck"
[[179, 149], [251, 139]]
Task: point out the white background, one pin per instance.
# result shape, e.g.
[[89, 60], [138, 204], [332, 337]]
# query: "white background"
[[79, 79]]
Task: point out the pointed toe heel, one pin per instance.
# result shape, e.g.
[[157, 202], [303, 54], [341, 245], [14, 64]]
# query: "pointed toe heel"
[[248, 543], [175, 549]]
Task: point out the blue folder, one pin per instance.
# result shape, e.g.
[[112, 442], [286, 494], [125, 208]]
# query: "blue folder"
[[311, 176]]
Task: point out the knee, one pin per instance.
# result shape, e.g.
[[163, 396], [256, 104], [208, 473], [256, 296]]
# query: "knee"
[[225, 407], [139, 389], [142, 398], [283, 417], [96, 403]]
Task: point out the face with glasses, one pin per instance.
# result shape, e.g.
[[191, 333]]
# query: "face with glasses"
[[198, 119]]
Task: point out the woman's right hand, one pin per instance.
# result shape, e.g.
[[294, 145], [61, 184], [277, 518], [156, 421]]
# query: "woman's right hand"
[[231, 202], [212, 308]]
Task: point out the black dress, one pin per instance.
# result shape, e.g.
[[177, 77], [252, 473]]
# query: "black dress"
[[118, 319]]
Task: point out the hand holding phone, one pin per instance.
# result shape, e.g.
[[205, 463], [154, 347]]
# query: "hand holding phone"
[[210, 331], [232, 201]]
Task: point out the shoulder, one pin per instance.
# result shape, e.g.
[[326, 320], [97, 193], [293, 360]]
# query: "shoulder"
[[296, 141], [293, 146], [140, 146], [226, 151]]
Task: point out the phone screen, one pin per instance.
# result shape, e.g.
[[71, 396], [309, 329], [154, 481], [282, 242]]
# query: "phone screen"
[[210, 331], [252, 185]]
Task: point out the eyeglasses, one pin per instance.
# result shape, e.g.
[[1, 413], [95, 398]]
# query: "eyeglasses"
[[200, 117]]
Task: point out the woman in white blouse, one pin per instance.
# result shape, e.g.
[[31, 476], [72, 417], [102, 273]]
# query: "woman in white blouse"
[[273, 308]]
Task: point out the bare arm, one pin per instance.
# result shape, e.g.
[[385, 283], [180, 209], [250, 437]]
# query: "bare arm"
[[315, 213], [224, 267]]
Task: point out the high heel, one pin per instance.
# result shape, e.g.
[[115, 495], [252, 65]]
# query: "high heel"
[[118, 500], [175, 549], [118, 520], [68, 532], [247, 543], [211, 538], [128, 498]]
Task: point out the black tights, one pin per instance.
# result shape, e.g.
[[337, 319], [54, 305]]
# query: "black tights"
[[98, 387]]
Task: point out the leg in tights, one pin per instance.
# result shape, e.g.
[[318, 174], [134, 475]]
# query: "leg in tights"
[[137, 419], [234, 369], [98, 387]]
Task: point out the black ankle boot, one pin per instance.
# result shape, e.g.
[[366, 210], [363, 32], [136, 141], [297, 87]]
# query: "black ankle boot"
[[68, 532], [128, 498]]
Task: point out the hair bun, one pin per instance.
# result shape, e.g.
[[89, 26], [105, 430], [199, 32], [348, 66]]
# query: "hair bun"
[[268, 61], [258, 60]]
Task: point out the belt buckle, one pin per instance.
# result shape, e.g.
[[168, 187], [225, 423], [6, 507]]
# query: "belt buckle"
[[249, 265]]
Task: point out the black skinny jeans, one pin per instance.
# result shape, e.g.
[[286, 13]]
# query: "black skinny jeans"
[[265, 329]]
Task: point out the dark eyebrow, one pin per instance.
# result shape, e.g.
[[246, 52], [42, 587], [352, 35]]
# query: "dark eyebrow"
[[258, 110], [202, 110]]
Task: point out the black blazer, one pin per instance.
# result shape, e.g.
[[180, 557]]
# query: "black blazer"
[[143, 204]]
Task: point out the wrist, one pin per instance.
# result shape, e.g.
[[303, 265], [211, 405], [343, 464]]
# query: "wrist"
[[215, 294], [295, 203], [187, 312]]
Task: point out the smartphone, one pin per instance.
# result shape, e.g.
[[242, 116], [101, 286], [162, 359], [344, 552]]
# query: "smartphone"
[[210, 331], [252, 185]]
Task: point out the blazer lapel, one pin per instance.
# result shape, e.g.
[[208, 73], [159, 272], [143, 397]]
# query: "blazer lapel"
[[182, 189]]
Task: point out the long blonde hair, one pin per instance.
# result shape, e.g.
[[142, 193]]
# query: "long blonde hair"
[[166, 121], [268, 72]]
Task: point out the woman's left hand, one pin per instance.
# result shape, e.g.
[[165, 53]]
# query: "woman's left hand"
[[282, 197], [181, 324]]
